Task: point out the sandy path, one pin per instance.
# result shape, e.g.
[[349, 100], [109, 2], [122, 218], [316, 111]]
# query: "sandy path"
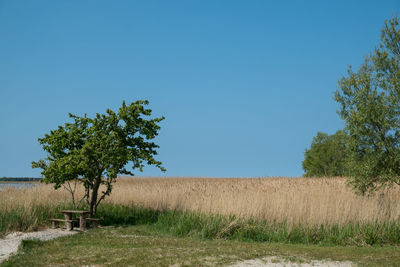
[[10, 243], [278, 262]]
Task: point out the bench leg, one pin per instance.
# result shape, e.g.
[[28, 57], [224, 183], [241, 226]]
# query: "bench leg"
[[82, 222], [53, 224], [68, 224]]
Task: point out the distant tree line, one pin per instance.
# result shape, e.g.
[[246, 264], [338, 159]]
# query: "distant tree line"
[[19, 179], [367, 150]]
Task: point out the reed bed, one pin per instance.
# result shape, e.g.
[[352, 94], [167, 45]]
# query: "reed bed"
[[306, 201], [295, 201]]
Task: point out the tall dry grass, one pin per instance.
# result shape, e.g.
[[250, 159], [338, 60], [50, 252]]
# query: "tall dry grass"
[[306, 201]]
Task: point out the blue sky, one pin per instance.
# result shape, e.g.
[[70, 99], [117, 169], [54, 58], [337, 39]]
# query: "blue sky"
[[244, 85]]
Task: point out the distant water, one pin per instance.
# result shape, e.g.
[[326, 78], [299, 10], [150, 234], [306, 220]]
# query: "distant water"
[[17, 185]]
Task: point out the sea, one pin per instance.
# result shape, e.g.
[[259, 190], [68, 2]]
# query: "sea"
[[19, 185]]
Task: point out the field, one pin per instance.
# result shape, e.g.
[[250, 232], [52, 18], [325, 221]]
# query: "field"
[[305, 201], [144, 246], [302, 217], [296, 210], [309, 212]]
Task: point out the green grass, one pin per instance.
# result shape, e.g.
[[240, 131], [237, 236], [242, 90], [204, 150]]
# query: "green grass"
[[208, 226], [146, 246], [19, 219], [144, 237], [223, 227]]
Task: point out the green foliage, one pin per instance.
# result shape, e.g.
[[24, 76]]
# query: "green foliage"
[[93, 151], [114, 214], [370, 106], [214, 226], [19, 219], [209, 226], [327, 155]]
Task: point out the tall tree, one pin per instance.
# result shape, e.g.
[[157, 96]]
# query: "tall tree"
[[327, 155], [95, 150], [370, 105]]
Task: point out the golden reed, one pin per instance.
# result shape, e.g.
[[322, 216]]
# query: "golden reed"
[[307, 201]]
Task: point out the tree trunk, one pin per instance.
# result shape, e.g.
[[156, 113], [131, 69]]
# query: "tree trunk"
[[93, 199]]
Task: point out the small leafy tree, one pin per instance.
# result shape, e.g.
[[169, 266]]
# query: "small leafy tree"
[[370, 105], [95, 150], [326, 156]]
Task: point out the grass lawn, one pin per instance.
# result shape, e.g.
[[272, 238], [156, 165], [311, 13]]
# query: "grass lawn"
[[143, 246]]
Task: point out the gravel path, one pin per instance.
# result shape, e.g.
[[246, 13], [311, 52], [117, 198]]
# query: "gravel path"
[[278, 262], [10, 243]]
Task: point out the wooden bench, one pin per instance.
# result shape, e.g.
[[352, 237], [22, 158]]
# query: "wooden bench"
[[68, 223], [94, 222]]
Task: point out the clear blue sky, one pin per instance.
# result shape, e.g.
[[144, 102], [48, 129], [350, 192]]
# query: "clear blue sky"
[[244, 85]]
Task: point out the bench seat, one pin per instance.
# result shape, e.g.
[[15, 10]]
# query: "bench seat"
[[60, 220], [68, 223]]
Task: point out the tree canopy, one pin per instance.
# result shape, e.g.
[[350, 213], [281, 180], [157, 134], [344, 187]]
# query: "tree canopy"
[[370, 106], [93, 151], [327, 155]]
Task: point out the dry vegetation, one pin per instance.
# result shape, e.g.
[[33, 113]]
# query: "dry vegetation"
[[308, 201]]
